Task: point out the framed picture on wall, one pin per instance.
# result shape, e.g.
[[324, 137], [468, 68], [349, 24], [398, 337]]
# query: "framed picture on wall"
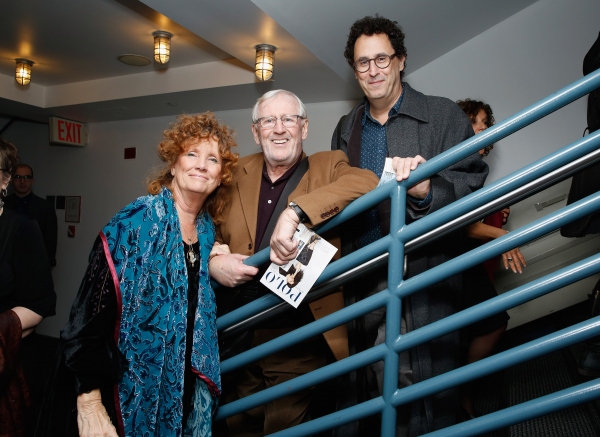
[[72, 209]]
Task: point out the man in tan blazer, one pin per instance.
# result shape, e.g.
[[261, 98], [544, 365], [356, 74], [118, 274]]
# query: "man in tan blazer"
[[326, 188]]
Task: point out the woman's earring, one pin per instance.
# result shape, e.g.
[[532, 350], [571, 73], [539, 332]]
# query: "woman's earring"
[[3, 192]]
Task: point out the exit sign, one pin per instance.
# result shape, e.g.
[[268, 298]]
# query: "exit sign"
[[68, 132]]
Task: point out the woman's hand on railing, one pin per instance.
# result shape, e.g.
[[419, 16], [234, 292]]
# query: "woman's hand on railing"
[[514, 260], [92, 418], [505, 214]]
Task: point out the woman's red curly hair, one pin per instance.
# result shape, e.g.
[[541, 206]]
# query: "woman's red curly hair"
[[178, 139]]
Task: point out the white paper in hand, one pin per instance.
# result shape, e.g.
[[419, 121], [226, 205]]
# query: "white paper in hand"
[[293, 281], [388, 173]]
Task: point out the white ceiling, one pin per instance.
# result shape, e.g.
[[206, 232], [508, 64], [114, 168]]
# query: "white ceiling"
[[75, 45]]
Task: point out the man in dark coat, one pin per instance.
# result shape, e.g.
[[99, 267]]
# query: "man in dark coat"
[[24, 201], [585, 183], [394, 120]]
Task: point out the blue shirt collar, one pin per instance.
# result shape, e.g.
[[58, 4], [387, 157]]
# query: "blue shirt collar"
[[393, 111]]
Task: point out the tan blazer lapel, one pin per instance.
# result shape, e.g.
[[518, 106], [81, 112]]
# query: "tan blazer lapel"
[[249, 190]]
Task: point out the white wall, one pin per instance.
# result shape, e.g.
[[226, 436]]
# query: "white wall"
[[511, 66], [515, 64]]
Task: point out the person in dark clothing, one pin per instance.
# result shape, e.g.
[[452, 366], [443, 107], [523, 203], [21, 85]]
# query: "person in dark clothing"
[[24, 201], [294, 275], [585, 183], [397, 122], [306, 252], [26, 297]]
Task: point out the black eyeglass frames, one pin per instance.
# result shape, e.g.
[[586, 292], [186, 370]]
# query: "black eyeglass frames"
[[381, 61]]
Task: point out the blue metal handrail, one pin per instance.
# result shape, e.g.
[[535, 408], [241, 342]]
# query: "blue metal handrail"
[[487, 366], [505, 185], [508, 300], [398, 288]]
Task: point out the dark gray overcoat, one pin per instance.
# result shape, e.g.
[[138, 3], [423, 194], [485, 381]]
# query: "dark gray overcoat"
[[426, 126]]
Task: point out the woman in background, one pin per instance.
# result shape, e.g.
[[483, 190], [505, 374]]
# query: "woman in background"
[[26, 297], [139, 355], [478, 281]]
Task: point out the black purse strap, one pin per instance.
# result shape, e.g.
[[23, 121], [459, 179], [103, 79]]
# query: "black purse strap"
[[282, 203]]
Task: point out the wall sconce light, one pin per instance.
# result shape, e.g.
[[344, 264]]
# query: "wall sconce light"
[[162, 46], [23, 71], [265, 56]]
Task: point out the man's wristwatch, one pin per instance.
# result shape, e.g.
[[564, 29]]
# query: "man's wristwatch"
[[301, 214]]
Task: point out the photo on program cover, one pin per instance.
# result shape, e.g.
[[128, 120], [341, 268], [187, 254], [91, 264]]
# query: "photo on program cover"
[[293, 281]]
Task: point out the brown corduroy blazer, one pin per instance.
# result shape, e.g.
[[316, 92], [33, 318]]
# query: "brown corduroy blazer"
[[328, 186]]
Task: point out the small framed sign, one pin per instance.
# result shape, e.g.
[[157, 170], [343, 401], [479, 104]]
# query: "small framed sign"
[[72, 209]]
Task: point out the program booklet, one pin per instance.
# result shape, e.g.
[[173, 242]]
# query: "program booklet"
[[293, 281]]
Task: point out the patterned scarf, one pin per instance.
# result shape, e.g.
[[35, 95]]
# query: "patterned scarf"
[[146, 255]]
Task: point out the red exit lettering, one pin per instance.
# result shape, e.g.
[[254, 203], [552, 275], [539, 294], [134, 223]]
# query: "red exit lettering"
[[70, 132]]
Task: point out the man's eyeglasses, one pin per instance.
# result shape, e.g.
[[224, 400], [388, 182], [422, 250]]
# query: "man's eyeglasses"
[[18, 177], [286, 120], [382, 61]]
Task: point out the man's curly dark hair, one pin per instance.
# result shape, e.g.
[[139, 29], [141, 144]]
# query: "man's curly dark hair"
[[375, 25]]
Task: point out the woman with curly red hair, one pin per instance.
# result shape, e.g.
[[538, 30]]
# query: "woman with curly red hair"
[[139, 354]]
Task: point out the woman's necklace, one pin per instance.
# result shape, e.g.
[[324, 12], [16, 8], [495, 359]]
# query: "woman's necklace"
[[191, 255]]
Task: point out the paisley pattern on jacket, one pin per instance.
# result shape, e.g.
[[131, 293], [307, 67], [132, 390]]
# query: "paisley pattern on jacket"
[[146, 256]]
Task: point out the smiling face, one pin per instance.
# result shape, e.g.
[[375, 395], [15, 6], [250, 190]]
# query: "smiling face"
[[282, 146], [381, 86], [197, 171]]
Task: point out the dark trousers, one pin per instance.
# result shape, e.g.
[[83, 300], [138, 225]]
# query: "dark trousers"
[[267, 372]]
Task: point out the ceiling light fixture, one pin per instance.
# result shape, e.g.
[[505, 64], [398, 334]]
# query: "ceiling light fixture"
[[23, 71], [162, 46], [265, 57]]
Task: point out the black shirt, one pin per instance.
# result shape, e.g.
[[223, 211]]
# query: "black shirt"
[[25, 277]]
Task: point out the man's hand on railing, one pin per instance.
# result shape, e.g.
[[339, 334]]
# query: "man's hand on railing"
[[283, 245], [403, 167], [228, 268]]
